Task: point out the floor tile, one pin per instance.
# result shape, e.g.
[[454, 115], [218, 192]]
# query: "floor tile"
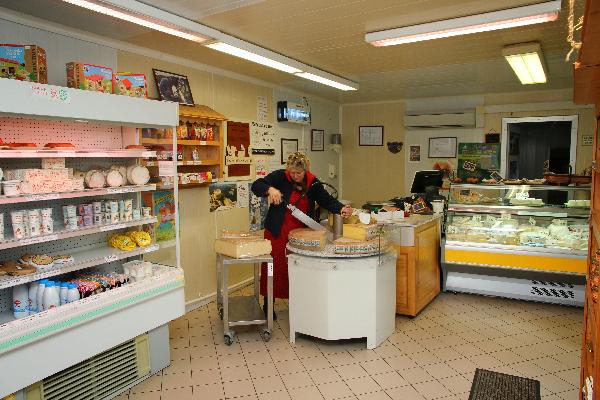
[[305, 393], [238, 389], [376, 367], [432, 390], [268, 384], [424, 358], [319, 362], [177, 394], [380, 395], [207, 377], [338, 359], [231, 360], [290, 366], [297, 380], [401, 362], [238, 373], [440, 370], [351, 371], [415, 375], [208, 392], [456, 384], [150, 384], [283, 395], [262, 370], [404, 393], [363, 385], [326, 375], [204, 363], [145, 396], [178, 366], [553, 383], [334, 390], [389, 380], [175, 381]]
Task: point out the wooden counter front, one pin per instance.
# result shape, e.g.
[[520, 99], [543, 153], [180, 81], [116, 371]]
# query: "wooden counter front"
[[418, 269]]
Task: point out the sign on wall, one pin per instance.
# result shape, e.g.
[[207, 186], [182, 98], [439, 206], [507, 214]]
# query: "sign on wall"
[[262, 136], [237, 157]]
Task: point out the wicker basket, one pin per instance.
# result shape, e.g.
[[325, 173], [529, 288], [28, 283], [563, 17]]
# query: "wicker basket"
[[565, 179], [581, 179]]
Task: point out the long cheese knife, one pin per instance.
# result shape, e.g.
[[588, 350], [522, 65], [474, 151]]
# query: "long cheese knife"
[[300, 216]]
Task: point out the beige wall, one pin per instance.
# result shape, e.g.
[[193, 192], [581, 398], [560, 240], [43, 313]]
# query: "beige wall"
[[372, 172], [376, 174]]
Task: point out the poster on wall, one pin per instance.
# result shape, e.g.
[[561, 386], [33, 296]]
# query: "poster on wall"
[[243, 191], [262, 138], [261, 164], [478, 160], [414, 153], [222, 196], [262, 108], [237, 157], [258, 208], [288, 146]]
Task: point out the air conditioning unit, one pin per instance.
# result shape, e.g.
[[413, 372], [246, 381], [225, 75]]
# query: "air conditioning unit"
[[434, 120]]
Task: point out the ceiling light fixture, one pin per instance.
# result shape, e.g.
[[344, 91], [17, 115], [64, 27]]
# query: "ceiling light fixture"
[[131, 15], [329, 82], [253, 56], [527, 62], [503, 19]]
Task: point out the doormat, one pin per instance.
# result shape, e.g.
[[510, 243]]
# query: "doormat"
[[490, 385]]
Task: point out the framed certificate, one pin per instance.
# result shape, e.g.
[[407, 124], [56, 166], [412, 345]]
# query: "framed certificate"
[[288, 146], [317, 140], [370, 135], [442, 147]]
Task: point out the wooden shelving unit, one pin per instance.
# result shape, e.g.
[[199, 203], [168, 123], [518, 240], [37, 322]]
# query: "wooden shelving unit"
[[199, 156]]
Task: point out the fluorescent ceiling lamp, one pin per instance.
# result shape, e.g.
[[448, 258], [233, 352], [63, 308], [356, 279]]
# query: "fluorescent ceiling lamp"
[[125, 14], [526, 62], [328, 82], [503, 19], [250, 56]]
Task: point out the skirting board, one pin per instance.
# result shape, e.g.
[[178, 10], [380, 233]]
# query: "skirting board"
[[202, 301]]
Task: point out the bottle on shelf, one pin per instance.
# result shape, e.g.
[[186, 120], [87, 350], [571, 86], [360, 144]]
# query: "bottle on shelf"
[[40, 294], [64, 288], [51, 297], [72, 293], [33, 288], [20, 301]]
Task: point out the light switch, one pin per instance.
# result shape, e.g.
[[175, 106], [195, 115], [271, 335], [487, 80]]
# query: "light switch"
[[331, 173]]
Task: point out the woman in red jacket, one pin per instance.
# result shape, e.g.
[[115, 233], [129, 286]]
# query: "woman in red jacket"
[[298, 186]]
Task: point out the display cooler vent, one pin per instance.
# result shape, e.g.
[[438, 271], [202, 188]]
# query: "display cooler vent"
[[552, 289], [96, 378]]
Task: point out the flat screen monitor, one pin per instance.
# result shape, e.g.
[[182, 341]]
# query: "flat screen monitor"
[[427, 181]]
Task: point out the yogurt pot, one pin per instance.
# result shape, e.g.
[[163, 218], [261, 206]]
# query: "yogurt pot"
[[11, 188], [88, 220], [72, 223], [128, 216], [136, 214], [71, 211], [128, 204], [146, 212], [46, 213], [19, 230], [114, 207], [1, 227], [88, 209], [114, 218], [16, 217], [98, 219], [47, 226], [34, 227], [97, 206], [121, 205]]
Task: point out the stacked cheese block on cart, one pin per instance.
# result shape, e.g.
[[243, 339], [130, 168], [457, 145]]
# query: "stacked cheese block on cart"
[[73, 228]]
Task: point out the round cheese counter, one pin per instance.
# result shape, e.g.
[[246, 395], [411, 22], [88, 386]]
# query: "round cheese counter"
[[342, 297]]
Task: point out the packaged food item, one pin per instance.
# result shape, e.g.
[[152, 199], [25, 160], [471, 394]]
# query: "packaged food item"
[[128, 84], [121, 242], [140, 238], [162, 205], [23, 62], [53, 163], [42, 262], [308, 239], [89, 77]]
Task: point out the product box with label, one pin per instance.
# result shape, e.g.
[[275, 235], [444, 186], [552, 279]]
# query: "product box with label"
[[128, 84], [163, 207], [89, 77], [23, 62]]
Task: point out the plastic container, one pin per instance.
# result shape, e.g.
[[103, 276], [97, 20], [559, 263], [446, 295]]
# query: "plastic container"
[[64, 288], [20, 301], [33, 288], [51, 296], [40, 294], [72, 293]]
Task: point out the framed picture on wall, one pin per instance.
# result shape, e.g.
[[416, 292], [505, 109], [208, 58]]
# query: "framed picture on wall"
[[317, 140], [370, 135], [288, 146], [442, 147], [173, 87]]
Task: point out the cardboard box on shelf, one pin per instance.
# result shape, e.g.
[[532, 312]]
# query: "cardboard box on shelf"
[[128, 84], [89, 77], [162, 204], [23, 62]]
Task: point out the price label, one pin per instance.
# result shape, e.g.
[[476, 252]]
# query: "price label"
[[148, 154], [128, 189], [39, 239], [107, 228], [48, 92], [42, 197], [166, 168], [150, 249], [270, 269], [111, 258]]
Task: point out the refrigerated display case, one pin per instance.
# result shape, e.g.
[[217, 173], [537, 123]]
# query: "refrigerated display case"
[[511, 241]]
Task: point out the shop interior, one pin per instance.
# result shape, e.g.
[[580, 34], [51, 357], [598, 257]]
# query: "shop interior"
[[460, 137]]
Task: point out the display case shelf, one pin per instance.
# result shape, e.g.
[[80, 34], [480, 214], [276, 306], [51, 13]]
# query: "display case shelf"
[[184, 163], [67, 234], [26, 198], [15, 333], [82, 260], [77, 153], [184, 142], [547, 211], [516, 187]]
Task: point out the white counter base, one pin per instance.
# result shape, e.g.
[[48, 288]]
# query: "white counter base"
[[349, 298]]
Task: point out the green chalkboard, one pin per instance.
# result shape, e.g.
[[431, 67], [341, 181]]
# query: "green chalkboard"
[[477, 160]]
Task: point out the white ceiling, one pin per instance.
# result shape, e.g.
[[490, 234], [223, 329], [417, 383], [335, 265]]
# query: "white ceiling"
[[329, 34]]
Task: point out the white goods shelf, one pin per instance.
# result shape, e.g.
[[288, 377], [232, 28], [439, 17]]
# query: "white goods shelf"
[[28, 99], [25, 198], [77, 153], [82, 259], [67, 234], [74, 332]]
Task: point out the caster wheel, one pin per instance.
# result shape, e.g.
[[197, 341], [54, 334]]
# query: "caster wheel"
[[221, 313], [228, 340], [266, 335]]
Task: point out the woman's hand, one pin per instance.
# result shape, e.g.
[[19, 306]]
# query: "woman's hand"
[[274, 196], [346, 211]]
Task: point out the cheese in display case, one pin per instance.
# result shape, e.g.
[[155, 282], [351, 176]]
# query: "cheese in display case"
[[502, 239]]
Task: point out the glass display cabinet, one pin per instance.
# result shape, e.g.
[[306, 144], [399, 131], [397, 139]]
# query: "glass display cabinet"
[[520, 241]]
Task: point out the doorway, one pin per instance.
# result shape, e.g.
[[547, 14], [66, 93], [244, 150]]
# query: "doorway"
[[527, 143]]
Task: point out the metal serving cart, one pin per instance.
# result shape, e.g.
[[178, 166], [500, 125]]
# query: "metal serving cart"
[[244, 310]]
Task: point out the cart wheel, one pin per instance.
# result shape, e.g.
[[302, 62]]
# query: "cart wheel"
[[228, 338], [266, 335], [221, 313]]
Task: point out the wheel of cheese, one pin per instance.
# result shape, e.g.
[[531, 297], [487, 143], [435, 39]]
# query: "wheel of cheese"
[[22, 146], [138, 175], [59, 146], [135, 147], [95, 179], [307, 239], [114, 178]]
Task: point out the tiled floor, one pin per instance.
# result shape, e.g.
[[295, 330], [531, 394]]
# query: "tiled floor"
[[432, 356]]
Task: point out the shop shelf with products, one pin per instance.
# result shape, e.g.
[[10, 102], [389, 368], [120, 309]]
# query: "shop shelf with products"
[[516, 241], [199, 153], [97, 132]]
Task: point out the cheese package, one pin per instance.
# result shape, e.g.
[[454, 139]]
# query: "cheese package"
[[235, 234], [89, 77], [23, 62], [243, 247], [307, 239], [360, 231], [129, 84], [351, 246], [53, 163]]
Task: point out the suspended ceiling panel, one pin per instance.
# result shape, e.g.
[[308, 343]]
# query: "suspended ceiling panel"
[[329, 34]]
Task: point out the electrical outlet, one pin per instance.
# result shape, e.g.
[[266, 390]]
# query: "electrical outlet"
[[331, 173]]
